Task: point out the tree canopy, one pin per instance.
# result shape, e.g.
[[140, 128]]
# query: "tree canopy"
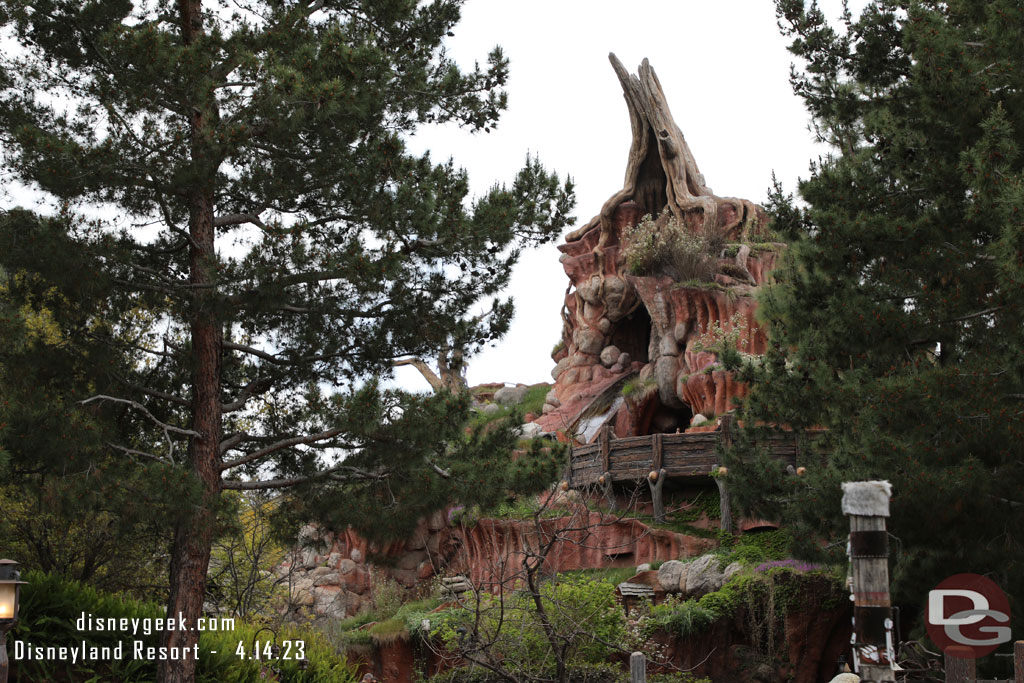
[[238, 171], [895, 320]]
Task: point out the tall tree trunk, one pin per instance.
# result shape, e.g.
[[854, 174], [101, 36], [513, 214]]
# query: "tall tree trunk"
[[193, 535]]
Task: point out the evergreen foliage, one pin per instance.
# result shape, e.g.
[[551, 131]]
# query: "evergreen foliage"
[[51, 606], [283, 245], [72, 505], [895, 320]]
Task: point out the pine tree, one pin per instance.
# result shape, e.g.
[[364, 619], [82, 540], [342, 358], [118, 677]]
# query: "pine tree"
[[896, 321], [72, 505], [285, 245]]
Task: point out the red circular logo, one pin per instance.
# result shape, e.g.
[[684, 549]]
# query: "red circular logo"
[[968, 616]]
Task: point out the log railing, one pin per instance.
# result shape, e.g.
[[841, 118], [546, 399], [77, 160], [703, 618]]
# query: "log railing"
[[679, 455]]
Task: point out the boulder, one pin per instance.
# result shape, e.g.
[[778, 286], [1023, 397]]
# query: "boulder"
[[346, 566], [510, 396], [609, 355], [670, 574], [698, 420], [308, 558], [330, 602], [530, 430], [490, 409], [588, 340], [559, 368], [411, 560], [356, 555], [703, 575], [331, 579], [303, 597], [301, 583]]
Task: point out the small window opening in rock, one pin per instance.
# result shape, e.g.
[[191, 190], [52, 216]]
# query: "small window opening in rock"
[[632, 335]]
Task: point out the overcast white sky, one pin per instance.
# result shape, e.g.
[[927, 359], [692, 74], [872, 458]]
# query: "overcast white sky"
[[725, 69]]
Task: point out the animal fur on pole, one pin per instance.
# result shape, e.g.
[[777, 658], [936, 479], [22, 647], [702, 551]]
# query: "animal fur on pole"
[[866, 503]]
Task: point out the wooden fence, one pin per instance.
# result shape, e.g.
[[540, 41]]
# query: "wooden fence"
[[679, 455]]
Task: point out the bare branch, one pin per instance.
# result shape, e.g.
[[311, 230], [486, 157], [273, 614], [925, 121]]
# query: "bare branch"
[[283, 443], [251, 351], [333, 473], [163, 425], [132, 451], [240, 219], [177, 400], [257, 386]]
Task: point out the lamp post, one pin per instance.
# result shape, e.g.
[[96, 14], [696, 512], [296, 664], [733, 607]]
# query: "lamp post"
[[10, 588]]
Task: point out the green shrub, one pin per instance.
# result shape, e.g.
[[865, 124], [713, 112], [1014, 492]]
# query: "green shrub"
[[584, 614], [636, 389], [681, 617], [673, 250]]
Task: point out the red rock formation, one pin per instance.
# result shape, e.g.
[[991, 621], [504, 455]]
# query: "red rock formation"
[[618, 324], [488, 551]]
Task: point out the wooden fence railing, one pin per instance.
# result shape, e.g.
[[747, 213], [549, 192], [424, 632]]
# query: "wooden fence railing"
[[679, 455]]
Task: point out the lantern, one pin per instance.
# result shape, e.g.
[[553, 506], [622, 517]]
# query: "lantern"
[[10, 587]]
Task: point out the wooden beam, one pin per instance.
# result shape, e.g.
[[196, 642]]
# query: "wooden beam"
[[657, 451], [1018, 661]]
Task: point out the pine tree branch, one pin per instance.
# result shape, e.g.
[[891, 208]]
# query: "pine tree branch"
[[240, 219], [279, 445], [354, 474], [252, 352], [153, 392], [132, 451], [163, 425], [425, 370], [972, 315], [257, 386]]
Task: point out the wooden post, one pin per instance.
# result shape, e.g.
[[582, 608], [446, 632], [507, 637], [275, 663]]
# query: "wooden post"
[[656, 479], [657, 451], [960, 665], [605, 480], [866, 503], [637, 668], [606, 465], [724, 500], [605, 441], [1018, 661]]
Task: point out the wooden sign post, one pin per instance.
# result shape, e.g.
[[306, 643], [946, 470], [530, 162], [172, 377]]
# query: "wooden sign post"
[[866, 503]]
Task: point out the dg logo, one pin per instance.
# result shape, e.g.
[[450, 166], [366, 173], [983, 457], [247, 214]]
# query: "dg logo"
[[970, 612]]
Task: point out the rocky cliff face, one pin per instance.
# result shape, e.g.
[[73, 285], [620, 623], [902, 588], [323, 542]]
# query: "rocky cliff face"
[[619, 324], [332, 576]]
